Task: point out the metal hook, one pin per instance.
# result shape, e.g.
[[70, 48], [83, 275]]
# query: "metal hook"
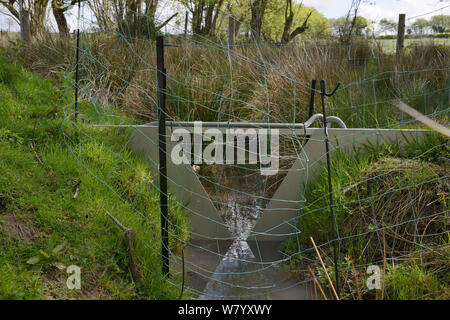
[[323, 89]]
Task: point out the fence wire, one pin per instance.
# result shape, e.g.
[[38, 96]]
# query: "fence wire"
[[390, 200]]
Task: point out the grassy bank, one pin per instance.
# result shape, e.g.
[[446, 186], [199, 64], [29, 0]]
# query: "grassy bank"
[[59, 180], [391, 209]]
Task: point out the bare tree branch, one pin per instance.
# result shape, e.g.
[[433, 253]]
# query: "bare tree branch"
[[166, 22], [289, 19]]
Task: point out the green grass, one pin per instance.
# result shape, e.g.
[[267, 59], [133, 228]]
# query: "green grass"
[[43, 158], [411, 281], [389, 45]]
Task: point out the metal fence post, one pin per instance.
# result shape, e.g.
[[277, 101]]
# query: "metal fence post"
[[162, 153], [400, 38], [330, 186]]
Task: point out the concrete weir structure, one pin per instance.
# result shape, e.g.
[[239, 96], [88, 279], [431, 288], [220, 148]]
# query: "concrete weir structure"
[[279, 217]]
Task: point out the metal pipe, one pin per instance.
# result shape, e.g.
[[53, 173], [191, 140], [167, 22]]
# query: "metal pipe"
[[262, 125]]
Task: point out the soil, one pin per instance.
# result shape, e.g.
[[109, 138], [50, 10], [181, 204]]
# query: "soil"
[[19, 228]]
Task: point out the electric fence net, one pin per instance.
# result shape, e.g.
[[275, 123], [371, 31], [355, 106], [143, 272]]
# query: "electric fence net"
[[241, 228]]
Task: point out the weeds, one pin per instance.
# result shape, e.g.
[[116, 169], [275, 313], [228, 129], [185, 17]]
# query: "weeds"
[[390, 204]]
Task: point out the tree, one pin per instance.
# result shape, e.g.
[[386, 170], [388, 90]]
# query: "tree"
[[277, 20], [274, 24], [258, 9], [350, 22], [103, 11], [388, 25], [344, 29], [59, 8], [204, 15], [36, 9], [58, 13], [288, 20], [131, 17], [440, 23], [420, 26], [240, 9], [360, 26], [38, 15], [370, 29]]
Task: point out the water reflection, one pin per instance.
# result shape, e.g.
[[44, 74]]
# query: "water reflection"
[[243, 274], [241, 269]]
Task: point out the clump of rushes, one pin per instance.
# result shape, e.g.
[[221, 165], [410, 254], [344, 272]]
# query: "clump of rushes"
[[253, 82], [391, 211]]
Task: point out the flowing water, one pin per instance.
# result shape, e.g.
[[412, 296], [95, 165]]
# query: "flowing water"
[[240, 269]]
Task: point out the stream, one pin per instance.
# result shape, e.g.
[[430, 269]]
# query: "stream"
[[240, 269]]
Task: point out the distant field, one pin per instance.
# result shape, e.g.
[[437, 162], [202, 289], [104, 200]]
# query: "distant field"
[[387, 44], [390, 44], [5, 36], [10, 34]]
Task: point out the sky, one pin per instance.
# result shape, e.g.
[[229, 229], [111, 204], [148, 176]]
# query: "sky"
[[370, 9], [378, 9]]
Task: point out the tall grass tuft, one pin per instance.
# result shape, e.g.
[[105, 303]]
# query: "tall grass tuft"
[[209, 81]]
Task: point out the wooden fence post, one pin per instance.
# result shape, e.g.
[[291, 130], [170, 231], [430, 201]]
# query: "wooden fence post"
[[400, 38], [231, 32]]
